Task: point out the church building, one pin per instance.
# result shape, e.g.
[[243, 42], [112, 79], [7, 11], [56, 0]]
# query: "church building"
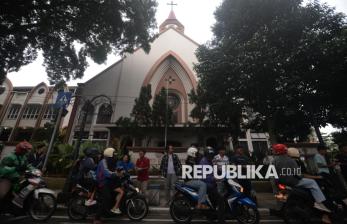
[[169, 64]]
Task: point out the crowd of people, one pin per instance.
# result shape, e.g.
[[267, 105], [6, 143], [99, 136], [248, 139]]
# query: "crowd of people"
[[103, 172]]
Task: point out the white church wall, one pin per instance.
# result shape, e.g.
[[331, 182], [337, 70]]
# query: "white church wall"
[[137, 65]]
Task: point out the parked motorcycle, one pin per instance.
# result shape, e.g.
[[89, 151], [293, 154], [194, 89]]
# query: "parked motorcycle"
[[133, 204], [237, 205], [297, 206], [32, 198]]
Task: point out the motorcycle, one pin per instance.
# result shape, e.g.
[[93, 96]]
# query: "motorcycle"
[[32, 198], [133, 204], [297, 206], [237, 205]]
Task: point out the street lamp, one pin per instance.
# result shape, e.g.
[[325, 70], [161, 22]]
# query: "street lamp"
[[168, 80]]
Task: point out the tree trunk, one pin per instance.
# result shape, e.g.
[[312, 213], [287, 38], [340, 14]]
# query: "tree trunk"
[[319, 134], [271, 130]]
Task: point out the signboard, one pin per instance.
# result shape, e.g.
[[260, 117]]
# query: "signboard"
[[63, 99]]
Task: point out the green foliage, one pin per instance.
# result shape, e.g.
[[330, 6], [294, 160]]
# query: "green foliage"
[[283, 60], [340, 138], [60, 161], [142, 110], [160, 110], [67, 32], [43, 133]]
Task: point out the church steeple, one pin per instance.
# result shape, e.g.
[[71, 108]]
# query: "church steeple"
[[171, 22]]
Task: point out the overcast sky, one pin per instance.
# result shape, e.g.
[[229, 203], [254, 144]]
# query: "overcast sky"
[[196, 16]]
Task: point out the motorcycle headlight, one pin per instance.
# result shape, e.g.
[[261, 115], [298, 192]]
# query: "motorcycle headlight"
[[137, 189]]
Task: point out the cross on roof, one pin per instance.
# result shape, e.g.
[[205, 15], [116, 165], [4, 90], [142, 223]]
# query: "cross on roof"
[[172, 4]]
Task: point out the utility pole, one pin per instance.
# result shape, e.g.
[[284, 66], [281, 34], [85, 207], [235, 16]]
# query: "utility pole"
[[55, 130], [168, 80]]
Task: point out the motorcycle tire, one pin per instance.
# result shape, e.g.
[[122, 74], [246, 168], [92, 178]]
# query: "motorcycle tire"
[[76, 209], [136, 208], [247, 215], [296, 213], [180, 210], [36, 206]]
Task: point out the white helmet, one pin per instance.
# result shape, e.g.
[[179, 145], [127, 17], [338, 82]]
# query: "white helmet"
[[109, 152], [293, 152], [192, 151]]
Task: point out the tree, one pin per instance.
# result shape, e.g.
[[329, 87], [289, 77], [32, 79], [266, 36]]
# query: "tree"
[[142, 111], [268, 56], [66, 32], [161, 112]]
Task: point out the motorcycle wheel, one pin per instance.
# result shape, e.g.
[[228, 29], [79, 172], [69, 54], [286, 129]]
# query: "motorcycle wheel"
[[247, 215], [76, 209], [180, 210], [137, 208], [42, 208]]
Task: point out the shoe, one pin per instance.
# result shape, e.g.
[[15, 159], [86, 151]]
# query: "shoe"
[[116, 211], [326, 219], [89, 203], [322, 207]]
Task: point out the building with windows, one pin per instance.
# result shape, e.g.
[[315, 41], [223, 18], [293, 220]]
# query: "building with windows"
[[168, 65], [24, 111]]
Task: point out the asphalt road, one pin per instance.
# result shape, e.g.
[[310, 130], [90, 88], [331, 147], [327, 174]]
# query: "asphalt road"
[[157, 217]]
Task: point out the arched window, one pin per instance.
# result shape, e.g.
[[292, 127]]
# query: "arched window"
[[104, 114], [31, 111], [90, 114]]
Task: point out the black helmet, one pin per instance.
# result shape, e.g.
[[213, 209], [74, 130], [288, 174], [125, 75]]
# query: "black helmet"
[[209, 152], [91, 152]]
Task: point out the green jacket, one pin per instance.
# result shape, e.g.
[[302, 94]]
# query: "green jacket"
[[12, 167]]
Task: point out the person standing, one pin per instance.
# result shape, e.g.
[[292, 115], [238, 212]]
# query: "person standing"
[[341, 159], [170, 168], [37, 158], [241, 159], [220, 160], [126, 164], [142, 167], [321, 162]]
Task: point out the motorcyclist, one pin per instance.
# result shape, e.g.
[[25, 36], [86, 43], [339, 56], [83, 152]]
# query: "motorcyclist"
[[293, 178], [13, 166], [86, 172], [192, 160], [241, 159], [295, 154], [107, 176], [211, 184]]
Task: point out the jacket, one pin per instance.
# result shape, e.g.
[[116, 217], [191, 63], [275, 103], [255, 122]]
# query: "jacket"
[[13, 166], [176, 163], [284, 163], [103, 173]]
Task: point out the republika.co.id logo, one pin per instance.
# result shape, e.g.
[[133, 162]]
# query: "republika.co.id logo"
[[229, 172]]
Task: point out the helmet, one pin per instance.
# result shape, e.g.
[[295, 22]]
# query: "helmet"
[[91, 152], [109, 152], [192, 151], [209, 152], [23, 147], [279, 149], [293, 152]]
